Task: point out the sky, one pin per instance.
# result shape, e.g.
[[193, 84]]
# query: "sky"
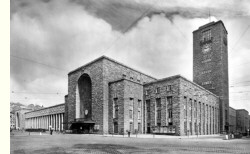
[[49, 38]]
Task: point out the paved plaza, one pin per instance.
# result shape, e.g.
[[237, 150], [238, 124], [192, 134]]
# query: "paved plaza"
[[36, 143]]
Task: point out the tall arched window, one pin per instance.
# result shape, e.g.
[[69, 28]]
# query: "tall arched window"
[[84, 98]]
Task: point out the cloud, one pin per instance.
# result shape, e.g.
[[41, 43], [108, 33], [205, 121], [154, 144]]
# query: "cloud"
[[67, 34]]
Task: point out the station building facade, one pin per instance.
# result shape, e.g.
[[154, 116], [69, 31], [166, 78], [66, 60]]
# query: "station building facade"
[[106, 96]]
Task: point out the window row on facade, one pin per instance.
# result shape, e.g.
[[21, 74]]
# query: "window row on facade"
[[168, 88], [200, 118]]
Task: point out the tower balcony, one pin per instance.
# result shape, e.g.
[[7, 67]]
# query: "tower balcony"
[[206, 40]]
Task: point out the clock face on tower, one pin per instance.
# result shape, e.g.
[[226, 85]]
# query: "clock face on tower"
[[206, 48]]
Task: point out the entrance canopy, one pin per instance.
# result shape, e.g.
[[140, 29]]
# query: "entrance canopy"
[[82, 126]]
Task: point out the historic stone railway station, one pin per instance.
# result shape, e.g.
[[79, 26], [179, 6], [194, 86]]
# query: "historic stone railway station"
[[105, 96]]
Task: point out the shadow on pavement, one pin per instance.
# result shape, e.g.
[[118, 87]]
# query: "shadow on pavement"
[[91, 148]]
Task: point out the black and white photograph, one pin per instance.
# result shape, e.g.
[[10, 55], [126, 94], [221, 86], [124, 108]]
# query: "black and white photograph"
[[129, 76]]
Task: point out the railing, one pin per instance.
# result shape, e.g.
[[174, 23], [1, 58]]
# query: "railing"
[[206, 40]]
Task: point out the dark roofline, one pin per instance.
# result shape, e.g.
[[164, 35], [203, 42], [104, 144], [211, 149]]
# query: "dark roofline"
[[163, 79], [179, 76], [210, 24], [232, 108], [112, 60], [241, 110], [46, 108]]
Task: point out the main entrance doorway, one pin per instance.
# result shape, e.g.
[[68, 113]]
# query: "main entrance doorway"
[[83, 127]]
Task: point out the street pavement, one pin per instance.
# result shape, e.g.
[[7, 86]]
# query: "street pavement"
[[36, 143]]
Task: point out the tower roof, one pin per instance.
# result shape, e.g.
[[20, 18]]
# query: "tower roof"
[[210, 24]]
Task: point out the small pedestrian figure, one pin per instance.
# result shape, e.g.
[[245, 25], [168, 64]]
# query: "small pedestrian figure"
[[51, 131]]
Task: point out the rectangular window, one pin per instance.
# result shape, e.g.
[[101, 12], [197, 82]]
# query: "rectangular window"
[[148, 109], [130, 114], [185, 127], [138, 78], [169, 87], [206, 35], [170, 114], [158, 114], [190, 127], [116, 113], [200, 110], [195, 109], [170, 101], [147, 92], [115, 108], [158, 108], [190, 108], [139, 104], [185, 108], [157, 90], [131, 126], [131, 102], [158, 102], [139, 127], [139, 115]]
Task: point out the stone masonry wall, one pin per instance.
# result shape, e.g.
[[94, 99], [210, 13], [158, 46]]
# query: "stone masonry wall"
[[95, 72], [101, 71], [210, 69], [126, 91], [112, 71], [116, 91], [163, 94], [133, 92], [201, 108]]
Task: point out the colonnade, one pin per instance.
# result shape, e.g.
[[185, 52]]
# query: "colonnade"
[[54, 121]]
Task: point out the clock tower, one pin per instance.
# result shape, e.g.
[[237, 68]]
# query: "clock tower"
[[210, 65]]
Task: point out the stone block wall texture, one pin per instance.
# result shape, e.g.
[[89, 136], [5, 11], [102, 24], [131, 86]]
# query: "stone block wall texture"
[[116, 91], [242, 121], [202, 108], [232, 119], [125, 91], [95, 72], [133, 92], [183, 90], [101, 71], [215, 70], [162, 95]]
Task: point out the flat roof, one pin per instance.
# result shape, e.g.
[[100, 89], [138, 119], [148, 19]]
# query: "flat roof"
[[179, 76], [242, 110], [46, 108], [210, 24], [112, 60]]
